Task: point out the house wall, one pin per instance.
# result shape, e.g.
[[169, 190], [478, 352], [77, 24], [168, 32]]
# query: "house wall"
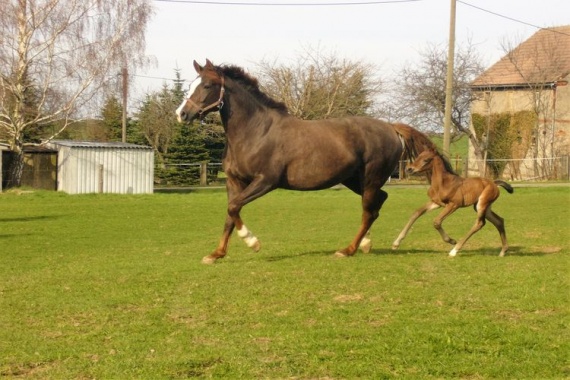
[[553, 139], [108, 170]]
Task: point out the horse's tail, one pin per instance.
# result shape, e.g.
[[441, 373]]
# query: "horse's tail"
[[414, 141], [505, 186]]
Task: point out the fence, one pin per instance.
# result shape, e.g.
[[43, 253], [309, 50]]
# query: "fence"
[[556, 168]]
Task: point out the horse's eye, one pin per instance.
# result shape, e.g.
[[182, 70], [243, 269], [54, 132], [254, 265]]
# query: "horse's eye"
[[207, 86]]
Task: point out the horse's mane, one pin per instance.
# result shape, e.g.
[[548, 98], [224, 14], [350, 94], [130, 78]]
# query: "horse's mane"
[[251, 84], [446, 163]]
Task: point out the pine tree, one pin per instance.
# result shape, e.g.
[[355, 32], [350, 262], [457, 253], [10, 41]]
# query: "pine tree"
[[186, 152], [112, 115]]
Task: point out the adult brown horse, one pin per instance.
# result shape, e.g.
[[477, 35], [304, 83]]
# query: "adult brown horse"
[[267, 148], [450, 191]]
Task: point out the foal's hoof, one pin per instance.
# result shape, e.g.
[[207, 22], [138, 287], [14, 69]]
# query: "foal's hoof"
[[453, 253], [395, 247], [208, 260]]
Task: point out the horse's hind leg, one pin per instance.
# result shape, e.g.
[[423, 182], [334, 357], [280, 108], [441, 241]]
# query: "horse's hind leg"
[[372, 201], [499, 223]]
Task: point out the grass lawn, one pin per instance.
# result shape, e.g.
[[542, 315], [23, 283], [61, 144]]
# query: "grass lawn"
[[111, 287]]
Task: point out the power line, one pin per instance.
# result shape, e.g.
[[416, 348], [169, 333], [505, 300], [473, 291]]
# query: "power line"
[[508, 18], [214, 2], [160, 78]]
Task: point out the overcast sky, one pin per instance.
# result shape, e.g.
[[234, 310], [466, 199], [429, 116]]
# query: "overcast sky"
[[386, 34]]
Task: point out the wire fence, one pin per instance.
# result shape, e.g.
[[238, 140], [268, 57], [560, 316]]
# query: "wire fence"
[[38, 175], [540, 169]]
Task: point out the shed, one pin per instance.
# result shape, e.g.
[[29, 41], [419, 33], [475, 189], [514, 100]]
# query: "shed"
[[39, 170], [103, 167]]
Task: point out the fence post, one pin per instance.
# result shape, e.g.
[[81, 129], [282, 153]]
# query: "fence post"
[[204, 173], [466, 167], [101, 170]]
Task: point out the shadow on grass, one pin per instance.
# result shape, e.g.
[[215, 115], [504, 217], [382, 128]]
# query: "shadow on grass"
[[7, 236], [513, 251], [376, 252], [29, 218]]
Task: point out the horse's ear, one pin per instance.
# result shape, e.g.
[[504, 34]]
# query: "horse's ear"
[[197, 67], [209, 64]]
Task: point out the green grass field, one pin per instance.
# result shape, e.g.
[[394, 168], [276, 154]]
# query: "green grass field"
[[111, 287]]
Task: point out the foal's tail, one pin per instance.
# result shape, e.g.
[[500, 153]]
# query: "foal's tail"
[[414, 141], [505, 186]]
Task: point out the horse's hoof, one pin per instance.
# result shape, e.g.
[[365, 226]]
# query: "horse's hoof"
[[208, 260], [452, 241], [340, 254], [453, 253], [366, 248], [395, 247], [256, 247]]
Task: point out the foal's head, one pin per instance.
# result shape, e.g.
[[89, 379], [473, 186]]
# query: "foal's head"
[[423, 162], [205, 95]]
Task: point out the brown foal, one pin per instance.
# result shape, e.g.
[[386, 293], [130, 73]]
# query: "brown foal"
[[450, 191]]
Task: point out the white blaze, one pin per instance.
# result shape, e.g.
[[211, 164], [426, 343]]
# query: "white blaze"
[[193, 86]]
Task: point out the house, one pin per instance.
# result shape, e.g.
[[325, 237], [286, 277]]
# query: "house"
[[521, 109]]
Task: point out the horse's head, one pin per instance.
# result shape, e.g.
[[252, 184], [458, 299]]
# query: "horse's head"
[[423, 162], [206, 93]]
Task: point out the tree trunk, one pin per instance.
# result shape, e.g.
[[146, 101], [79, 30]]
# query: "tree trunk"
[[15, 169]]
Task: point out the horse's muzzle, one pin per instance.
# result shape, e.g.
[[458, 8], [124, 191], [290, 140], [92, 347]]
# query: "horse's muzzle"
[[186, 117]]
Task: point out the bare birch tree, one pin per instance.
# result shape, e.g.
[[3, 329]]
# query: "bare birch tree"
[[57, 57], [419, 92]]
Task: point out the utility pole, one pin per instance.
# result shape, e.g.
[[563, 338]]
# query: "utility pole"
[[449, 82], [125, 75]]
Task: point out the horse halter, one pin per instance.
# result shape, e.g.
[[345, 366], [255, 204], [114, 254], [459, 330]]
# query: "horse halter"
[[218, 103]]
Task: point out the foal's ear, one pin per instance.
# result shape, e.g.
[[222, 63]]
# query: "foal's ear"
[[197, 67]]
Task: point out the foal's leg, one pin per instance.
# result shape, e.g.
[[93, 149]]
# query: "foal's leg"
[[372, 200], [479, 223], [419, 212], [449, 209], [499, 223]]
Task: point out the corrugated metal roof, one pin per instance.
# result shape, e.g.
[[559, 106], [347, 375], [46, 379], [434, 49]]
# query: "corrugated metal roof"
[[543, 58], [98, 145]]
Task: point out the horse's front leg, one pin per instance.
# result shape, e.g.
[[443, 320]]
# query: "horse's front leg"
[[238, 196], [222, 248], [372, 201], [419, 212]]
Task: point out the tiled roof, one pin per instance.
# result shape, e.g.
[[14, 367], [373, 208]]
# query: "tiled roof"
[[543, 58]]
